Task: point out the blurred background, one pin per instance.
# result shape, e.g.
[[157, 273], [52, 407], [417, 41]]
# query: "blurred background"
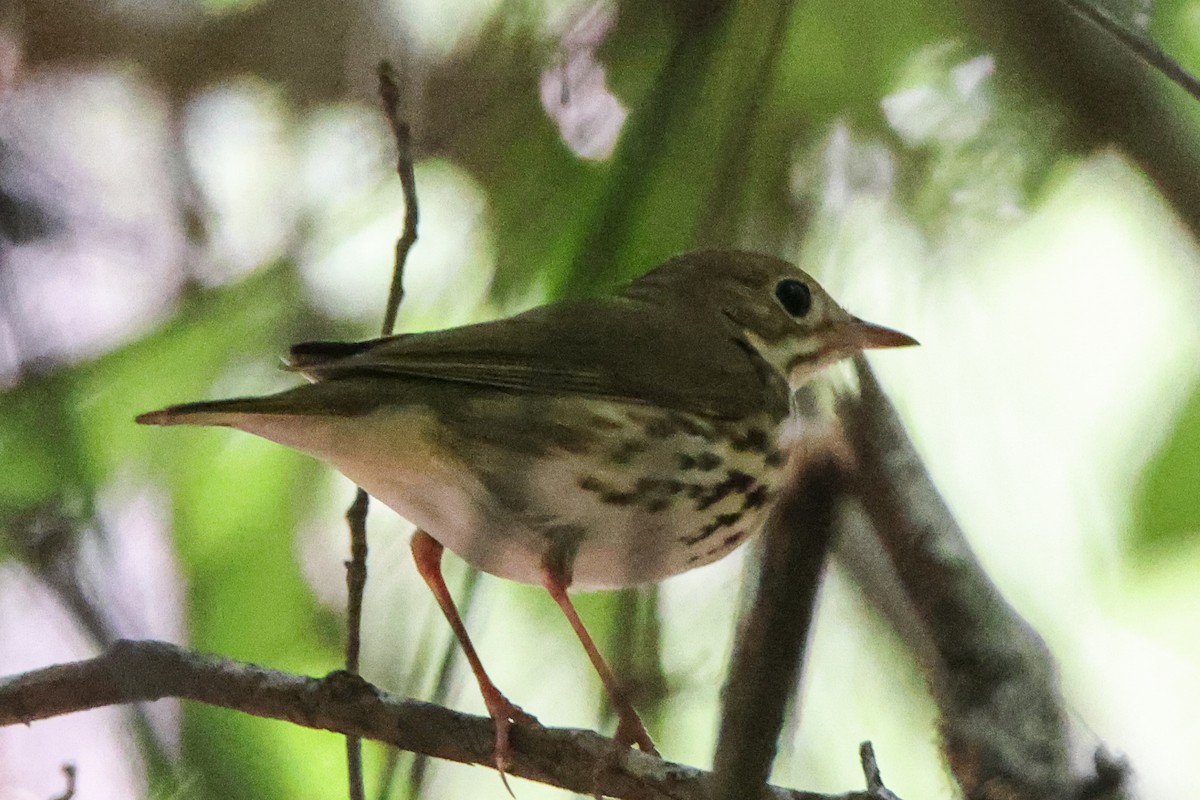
[[189, 186]]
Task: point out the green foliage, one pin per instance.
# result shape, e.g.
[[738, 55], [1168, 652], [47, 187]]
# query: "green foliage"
[[731, 108], [1166, 507], [39, 446]]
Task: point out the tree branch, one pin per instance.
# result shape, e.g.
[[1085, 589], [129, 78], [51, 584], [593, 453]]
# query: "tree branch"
[[142, 671], [1138, 43], [1107, 95], [766, 662], [1003, 725]]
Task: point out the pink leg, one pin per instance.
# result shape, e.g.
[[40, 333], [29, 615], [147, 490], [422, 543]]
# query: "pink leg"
[[427, 553], [630, 730]]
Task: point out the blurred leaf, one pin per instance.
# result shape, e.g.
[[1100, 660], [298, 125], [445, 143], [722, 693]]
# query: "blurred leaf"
[[39, 452], [1166, 505], [677, 178]]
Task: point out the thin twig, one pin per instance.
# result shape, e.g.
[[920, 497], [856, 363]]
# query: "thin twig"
[[69, 773], [389, 93], [356, 577], [766, 662], [875, 787], [1139, 44], [145, 671], [356, 516], [356, 584]]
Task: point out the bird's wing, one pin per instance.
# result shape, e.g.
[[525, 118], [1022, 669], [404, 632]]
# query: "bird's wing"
[[611, 348]]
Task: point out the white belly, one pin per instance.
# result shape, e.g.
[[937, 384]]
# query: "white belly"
[[642, 509]]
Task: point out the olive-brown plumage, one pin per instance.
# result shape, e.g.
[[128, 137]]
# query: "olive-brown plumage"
[[599, 443]]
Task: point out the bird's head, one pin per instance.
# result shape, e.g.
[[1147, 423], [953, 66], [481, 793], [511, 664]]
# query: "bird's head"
[[782, 312]]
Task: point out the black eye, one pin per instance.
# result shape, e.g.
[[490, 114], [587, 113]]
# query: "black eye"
[[794, 296]]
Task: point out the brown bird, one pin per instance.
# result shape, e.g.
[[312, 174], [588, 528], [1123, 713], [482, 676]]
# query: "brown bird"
[[597, 443]]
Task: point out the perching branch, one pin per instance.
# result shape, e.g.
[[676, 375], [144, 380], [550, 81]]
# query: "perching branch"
[[142, 671]]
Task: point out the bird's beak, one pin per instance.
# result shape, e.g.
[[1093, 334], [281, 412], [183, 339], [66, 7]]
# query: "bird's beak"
[[863, 335], [845, 338]]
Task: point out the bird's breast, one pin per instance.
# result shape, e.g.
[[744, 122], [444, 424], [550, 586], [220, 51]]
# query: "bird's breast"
[[615, 494], [670, 492]]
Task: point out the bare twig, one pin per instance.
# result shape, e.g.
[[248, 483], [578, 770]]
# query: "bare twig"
[[356, 584], [875, 787], [770, 648], [356, 515], [389, 93], [69, 774], [144, 671]]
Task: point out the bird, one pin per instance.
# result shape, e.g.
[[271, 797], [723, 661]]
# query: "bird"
[[593, 443]]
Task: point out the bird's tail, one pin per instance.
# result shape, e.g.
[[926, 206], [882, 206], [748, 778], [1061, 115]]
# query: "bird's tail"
[[341, 398], [214, 412]]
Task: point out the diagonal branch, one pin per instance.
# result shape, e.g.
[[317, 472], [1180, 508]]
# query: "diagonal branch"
[[140, 671], [1108, 99], [1138, 43], [1003, 724]]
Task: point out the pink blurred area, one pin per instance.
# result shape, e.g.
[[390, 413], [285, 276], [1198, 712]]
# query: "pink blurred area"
[[37, 629], [126, 573], [90, 157]]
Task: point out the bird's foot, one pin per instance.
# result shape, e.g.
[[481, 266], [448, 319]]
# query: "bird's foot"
[[631, 732], [505, 714]]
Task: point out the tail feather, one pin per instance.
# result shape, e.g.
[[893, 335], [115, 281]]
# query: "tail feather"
[[211, 412], [323, 399], [318, 354]]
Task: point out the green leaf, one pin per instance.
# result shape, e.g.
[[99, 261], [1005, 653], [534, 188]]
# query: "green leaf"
[[1166, 505], [39, 455]]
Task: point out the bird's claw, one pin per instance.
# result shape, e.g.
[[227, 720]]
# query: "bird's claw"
[[631, 732], [505, 714]]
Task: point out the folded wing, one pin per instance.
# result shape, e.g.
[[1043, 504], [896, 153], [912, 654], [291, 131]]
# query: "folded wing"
[[610, 348]]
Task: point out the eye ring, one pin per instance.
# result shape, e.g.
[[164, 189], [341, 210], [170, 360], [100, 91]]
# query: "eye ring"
[[795, 296]]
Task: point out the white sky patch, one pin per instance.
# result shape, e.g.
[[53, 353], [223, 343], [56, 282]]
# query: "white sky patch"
[[849, 171], [137, 564], [1055, 353], [239, 147], [944, 105], [136, 572], [1054, 332], [435, 28], [347, 262], [1037, 396]]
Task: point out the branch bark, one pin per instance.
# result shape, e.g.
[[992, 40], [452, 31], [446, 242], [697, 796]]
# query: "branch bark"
[[142, 671], [766, 662], [1003, 725]]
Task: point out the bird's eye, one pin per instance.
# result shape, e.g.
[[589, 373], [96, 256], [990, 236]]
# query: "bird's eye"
[[794, 296]]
